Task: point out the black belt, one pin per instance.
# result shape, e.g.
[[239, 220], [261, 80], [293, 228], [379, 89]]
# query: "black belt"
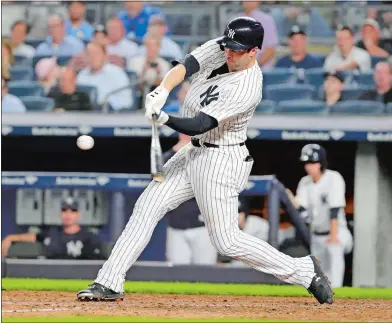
[[196, 142], [324, 233]]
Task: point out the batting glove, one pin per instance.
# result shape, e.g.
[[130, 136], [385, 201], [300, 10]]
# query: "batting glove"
[[155, 101], [161, 119]]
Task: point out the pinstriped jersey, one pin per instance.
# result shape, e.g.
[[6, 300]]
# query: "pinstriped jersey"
[[231, 98]]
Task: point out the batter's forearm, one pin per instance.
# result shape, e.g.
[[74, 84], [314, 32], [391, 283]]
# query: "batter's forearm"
[[192, 126], [334, 228], [174, 77], [23, 237]]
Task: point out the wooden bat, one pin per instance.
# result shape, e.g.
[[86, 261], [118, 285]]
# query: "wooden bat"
[[156, 156]]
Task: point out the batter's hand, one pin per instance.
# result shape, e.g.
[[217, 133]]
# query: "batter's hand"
[[161, 119], [155, 100]]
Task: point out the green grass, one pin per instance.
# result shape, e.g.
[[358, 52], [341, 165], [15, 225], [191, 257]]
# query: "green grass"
[[128, 319], [193, 288]]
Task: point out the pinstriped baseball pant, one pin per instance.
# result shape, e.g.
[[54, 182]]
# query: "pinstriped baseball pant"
[[215, 177]]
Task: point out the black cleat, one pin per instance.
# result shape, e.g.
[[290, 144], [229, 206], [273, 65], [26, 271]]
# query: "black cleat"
[[98, 292], [320, 287]]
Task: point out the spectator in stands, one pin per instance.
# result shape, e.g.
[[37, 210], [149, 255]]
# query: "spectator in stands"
[[48, 73], [135, 18], [77, 25], [345, 55], [19, 30], [371, 38], [9, 102], [299, 56], [7, 58], [66, 96], [150, 68], [80, 61], [58, 43], [333, 87], [265, 57], [70, 241], [169, 48], [106, 78], [120, 50], [383, 81]]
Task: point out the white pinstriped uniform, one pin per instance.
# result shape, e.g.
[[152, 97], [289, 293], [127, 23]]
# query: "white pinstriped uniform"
[[214, 176]]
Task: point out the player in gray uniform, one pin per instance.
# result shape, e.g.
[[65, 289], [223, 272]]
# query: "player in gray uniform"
[[321, 199], [226, 88]]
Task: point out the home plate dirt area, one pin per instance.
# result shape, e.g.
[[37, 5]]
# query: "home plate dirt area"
[[64, 304]]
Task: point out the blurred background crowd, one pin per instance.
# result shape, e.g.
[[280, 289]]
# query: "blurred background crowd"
[[100, 56]]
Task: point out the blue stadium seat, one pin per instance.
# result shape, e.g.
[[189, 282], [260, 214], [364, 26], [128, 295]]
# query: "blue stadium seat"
[[91, 91], [25, 88], [321, 57], [302, 106], [38, 103], [278, 76], [63, 60], [365, 79], [284, 92], [22, 60], [353, 93], [21, 73], [358, 107], [34, 42], [376, 59], [266, 107], [315, 77], [388, 108]]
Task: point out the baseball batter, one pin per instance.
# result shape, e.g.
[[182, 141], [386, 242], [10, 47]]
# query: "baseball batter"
[[226, 87], [321, 199]]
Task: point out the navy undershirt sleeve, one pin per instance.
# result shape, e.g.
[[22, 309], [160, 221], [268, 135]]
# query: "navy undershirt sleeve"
[[192, 126]]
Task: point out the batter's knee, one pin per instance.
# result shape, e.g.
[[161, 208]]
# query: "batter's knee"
[[227, 244]]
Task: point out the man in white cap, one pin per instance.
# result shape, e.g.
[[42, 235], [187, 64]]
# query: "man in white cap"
[[370, 41]]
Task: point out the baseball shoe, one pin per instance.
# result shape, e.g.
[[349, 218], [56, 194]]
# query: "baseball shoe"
[[320, 287], [98, 292]]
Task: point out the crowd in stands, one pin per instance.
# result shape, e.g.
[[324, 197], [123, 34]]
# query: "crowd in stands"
[[85, 67]]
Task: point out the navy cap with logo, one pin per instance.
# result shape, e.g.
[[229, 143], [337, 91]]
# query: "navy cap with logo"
[[69, 203], [242, 33], [296, 30]]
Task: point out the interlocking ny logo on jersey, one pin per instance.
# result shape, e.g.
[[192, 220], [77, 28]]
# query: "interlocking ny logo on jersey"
[[231, 33], [209, 96]]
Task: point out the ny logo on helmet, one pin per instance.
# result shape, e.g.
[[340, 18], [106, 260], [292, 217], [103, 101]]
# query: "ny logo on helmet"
[[231, 33]]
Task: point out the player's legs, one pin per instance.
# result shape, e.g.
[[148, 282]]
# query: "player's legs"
[[217, 177], [203, 251], [178, 249], [318, 248], [152, 205]]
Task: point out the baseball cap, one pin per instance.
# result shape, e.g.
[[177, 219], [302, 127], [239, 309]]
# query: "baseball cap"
[[371, 22], [339, 75], [100, 29], [69, 203], [296, 30]]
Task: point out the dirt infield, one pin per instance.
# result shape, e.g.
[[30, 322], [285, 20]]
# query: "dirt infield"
[[44, 304]]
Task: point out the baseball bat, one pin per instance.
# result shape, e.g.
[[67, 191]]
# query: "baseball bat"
[[156, 156]]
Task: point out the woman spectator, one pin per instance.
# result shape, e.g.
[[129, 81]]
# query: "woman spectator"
[[7, 58]]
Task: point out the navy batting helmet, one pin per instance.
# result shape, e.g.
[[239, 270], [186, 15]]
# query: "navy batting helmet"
[[242, 33], [314, 153]]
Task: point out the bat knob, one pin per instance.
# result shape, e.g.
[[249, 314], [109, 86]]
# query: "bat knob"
[[159, 177]]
